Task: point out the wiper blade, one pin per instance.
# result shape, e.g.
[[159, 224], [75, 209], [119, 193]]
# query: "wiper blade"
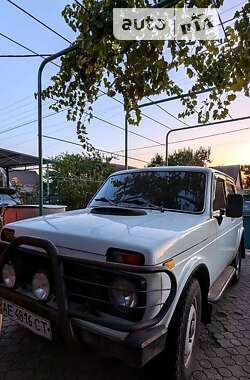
[[142, 202], [104, 199]]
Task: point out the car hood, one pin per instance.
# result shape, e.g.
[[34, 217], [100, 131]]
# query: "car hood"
[[158, 235]]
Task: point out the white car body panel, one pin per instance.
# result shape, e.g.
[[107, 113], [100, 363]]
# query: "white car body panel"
[[157, 235]]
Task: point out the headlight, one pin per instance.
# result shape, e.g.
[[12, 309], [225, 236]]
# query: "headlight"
[[40, 286], [9, 275], [7, 234], [123, 295]]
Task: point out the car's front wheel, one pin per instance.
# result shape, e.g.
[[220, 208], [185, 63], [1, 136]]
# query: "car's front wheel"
[[183, 332]]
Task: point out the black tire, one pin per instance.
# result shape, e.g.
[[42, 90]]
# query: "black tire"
[[180, 366], [237, 265]]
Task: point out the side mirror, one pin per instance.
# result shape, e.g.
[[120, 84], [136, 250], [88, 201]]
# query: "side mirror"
[[234, 208]]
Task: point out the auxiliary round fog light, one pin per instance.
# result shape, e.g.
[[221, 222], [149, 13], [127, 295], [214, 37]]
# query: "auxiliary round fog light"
[[40, 286], [9, 275]]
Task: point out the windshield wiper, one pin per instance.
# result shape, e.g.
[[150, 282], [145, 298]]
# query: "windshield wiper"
[[142, 202], [104, 199]]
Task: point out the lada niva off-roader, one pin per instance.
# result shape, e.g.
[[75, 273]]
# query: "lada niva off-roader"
[[135, 272]]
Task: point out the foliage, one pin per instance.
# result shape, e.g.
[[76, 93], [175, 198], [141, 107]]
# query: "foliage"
[[182, 157], [74, 176], [136, 69], [157, 160], [246, 176]]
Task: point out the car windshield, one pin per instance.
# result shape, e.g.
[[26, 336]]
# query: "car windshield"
[[173, 190]]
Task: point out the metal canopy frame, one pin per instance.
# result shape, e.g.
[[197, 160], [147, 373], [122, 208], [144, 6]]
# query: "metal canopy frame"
[[40, 119], [199, 126], [156, 102], [41, 161], [165, 100], [160, 4]]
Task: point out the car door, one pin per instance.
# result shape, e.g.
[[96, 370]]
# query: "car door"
[[225, 241]]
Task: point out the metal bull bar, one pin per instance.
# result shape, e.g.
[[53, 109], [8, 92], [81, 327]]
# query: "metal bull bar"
[[65, 315]]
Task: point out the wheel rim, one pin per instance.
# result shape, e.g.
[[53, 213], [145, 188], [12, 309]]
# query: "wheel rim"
[[190, 333]]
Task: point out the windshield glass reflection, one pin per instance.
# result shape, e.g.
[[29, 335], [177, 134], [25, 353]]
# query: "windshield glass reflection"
[[172, 190]]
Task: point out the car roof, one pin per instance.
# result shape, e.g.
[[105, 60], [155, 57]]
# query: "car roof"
[[199, 169], [168, 168]]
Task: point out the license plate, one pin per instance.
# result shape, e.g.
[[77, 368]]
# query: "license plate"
[[33, 322]]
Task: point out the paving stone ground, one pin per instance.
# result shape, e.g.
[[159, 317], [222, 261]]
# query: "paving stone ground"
[[224, 349]]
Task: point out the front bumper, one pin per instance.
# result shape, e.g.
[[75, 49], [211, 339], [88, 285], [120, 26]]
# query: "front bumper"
[[135, 344], [137, 349]]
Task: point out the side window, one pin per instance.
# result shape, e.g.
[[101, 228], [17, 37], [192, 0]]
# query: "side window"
[[230, 188], [220, 195]]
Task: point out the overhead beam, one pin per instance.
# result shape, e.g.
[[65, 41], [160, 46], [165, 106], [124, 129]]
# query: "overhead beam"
[[199, 126], [177, 97], [165, 4]]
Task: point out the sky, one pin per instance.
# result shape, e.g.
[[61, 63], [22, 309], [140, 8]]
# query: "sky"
[[18, 83]]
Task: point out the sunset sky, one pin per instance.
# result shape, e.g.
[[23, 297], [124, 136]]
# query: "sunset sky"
[[18, 106]]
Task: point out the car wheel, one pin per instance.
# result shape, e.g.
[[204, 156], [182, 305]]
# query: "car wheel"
[[237, 265], [183, 332]]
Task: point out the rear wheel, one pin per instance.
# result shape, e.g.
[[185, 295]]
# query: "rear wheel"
[[237, 265], [183, 332]]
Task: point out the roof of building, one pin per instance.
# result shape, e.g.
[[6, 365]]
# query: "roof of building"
[[12, 159], [233, 171]]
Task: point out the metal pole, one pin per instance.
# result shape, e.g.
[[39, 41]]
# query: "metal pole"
[[182, 129], [48, 190], [199, 126], [166, 157], [126, 142], [39, 109], [165, 4], [171, 98]]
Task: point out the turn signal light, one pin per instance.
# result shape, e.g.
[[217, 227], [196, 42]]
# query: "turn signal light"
[[170, 264], [125, 257], [7, 235]]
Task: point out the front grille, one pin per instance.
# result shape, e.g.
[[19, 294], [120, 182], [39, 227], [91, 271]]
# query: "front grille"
[[87, 287], [90, 287]]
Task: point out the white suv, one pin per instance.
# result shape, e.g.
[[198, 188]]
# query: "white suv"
[[135, 272]]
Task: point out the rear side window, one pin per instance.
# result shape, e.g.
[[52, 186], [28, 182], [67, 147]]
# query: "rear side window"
[[230, 188], [220, 195]]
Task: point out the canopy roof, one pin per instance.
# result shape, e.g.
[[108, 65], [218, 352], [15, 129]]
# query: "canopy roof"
[[11, 159]]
